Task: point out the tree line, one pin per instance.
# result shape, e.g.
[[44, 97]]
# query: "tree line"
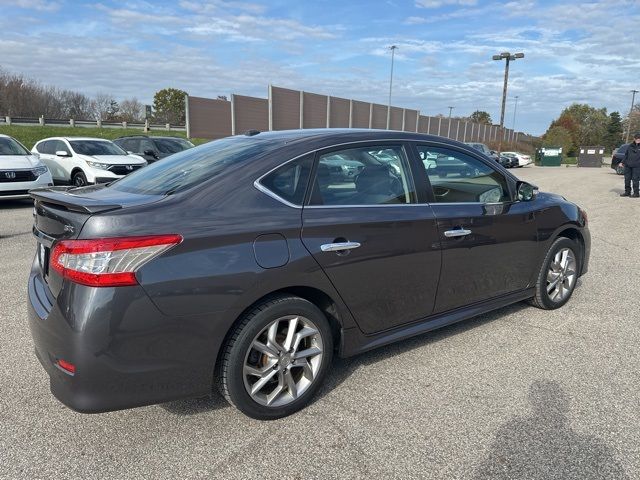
[[25, 97], [583, 125]]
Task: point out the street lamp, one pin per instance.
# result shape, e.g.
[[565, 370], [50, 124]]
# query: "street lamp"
[[633, 101], [508, 57], [513, 125], [449, 128], [393, 49], [450, 108]]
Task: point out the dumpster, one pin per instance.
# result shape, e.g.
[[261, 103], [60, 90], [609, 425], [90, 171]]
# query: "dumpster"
[[590, 157], [551, 156]]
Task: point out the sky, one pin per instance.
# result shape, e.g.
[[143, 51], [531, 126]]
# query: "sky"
[[587, 52]]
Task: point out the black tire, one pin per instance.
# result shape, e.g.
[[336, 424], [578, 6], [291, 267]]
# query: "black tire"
[[79, 179], [230, 376], [542, 299]]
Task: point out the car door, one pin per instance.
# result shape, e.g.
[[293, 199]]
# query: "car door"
[[47, 155], [64, 164], [489, 241], [364, 226]]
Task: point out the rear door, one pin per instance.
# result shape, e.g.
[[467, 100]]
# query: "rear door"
[[489, 242], [47, 155], [366, 228]]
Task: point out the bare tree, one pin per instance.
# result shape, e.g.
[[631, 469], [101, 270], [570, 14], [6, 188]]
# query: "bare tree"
[[131, 110], [101, 106]]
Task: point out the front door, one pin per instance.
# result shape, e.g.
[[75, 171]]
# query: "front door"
[[489, 242], [377, 245]]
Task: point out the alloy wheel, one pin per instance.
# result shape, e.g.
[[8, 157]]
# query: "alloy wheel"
[[561, 276], [283, 361]]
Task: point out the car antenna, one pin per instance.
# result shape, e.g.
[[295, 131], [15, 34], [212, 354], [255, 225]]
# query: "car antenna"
[[251, 133]]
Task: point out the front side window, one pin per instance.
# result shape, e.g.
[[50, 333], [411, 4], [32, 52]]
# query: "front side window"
[[371, 175], [96, 147], [456, 177]]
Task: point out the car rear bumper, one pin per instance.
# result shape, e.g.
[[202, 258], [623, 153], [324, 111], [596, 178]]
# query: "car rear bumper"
[[126, 353]]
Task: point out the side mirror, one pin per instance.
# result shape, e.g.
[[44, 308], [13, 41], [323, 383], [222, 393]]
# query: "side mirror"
[[151, 153], [62, 153], [526, 192]]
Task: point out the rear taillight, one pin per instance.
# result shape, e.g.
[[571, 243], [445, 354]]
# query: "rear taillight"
[[108, 262]]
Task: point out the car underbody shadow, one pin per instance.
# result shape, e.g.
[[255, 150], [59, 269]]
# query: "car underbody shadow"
[[542, 444], [342, 368]]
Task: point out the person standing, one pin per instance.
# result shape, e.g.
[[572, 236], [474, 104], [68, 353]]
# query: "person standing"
[[631, 162]]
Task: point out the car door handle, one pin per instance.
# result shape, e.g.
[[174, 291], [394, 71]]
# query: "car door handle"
[[339, 246], [457, 232]]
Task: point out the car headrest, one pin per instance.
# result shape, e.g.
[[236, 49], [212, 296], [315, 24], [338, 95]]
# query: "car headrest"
[[373, 179]]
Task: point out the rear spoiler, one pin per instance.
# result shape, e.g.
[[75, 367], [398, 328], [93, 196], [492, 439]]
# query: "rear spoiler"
[[60, 197]]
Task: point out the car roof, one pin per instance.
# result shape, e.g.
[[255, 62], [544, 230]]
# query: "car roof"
[[152, 136], [76, 138]]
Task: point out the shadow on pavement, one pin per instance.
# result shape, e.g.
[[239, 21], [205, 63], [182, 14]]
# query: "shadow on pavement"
[[342, 368], [542, 444]]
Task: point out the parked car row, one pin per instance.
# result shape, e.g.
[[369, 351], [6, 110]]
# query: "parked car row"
[[77, 161], [506, 159]]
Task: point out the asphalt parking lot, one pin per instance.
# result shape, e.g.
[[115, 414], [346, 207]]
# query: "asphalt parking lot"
[[518, 393]]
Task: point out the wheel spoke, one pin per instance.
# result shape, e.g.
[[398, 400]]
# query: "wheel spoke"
[[553, 284], [277, 390], [291, 384], [306, 368], [301, 335], [271, 336], [291, 331], [551, 276], [258, 372], [563, 261], [256, 387], [309, 352], [266, 349]]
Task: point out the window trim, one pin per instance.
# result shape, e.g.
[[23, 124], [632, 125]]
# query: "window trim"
[[508, 177], [315, 151]]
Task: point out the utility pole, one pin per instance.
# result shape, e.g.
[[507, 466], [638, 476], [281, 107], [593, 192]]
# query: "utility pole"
[[633, 102], [508, 57], [393, 49]]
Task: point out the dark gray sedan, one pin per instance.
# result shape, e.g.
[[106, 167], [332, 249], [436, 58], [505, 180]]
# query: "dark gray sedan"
[[247, 263]]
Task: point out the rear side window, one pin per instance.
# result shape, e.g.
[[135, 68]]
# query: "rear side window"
[[289, 182], [370, 175], [43, 147]]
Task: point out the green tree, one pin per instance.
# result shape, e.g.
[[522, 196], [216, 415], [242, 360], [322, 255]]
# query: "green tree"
[[558, 137], [634, 118], [586, 125], [613, 137], [480, 116], [169, 106]]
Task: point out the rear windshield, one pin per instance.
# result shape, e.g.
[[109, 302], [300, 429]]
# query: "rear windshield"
[[8, 146], [192, 167], [96, 147]]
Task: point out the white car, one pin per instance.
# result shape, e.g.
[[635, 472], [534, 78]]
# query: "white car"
[[81, 161], [523, 160], [20, 170]]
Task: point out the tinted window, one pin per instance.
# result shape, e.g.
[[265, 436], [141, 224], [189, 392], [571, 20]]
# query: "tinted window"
[[458, 177], [289, 182], [95, 147], [171, 145], [8, 146], [57, 146], [43, 147], [194, 166], [374, 175]]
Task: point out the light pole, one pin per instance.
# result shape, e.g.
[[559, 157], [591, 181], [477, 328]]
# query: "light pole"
[[393, 49], [449, 127], [513, 124], [633, 101], [450, 108], [508, 57]]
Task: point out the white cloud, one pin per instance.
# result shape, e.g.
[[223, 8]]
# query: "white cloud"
[[40, 5], [440, 3]]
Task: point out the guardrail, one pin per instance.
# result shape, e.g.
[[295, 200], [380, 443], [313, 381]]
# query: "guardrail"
[[42, 121]]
